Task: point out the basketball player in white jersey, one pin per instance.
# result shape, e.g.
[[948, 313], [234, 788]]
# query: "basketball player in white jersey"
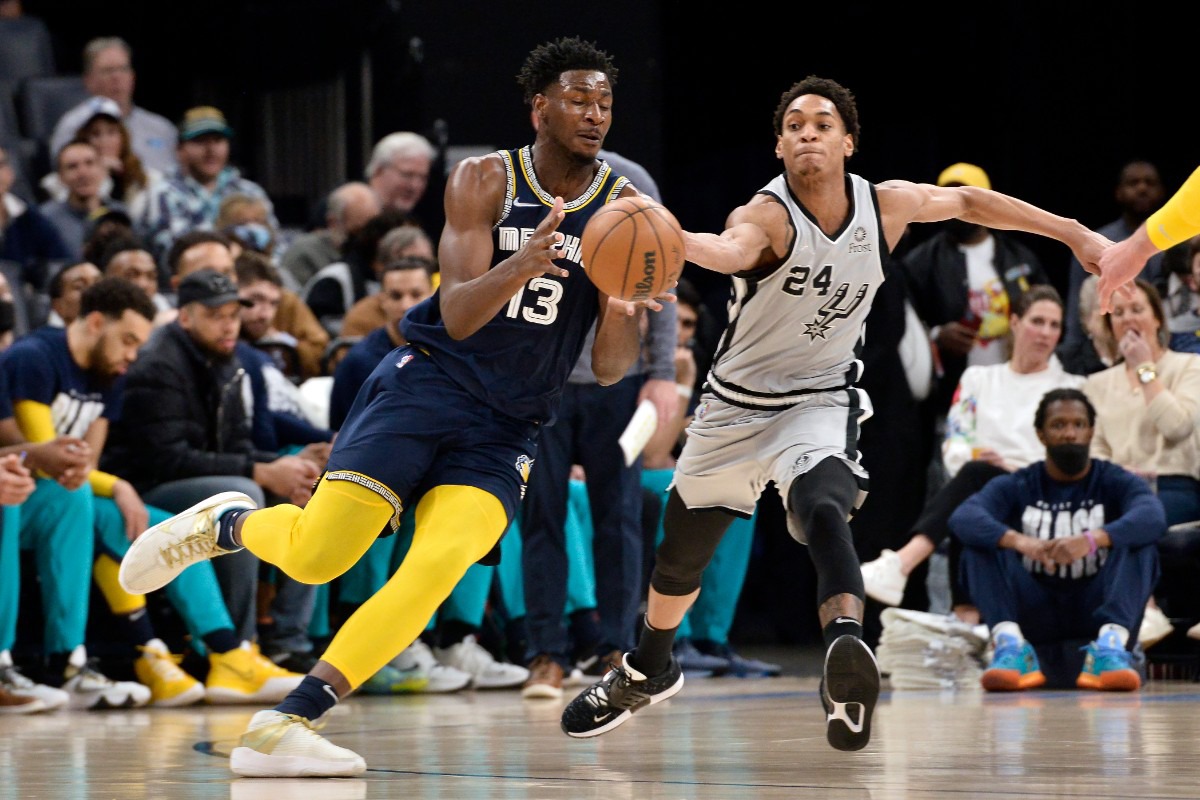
[[780, 402]]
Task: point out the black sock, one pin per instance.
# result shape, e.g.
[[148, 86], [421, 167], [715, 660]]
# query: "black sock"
[[652, 655], [222, 640], [225, 530], [842, 626], [137, 626], [56, 669], [312, 698], [454, 631]]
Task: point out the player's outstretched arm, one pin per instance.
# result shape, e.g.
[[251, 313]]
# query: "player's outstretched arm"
[[755, 234], [1176, 221]]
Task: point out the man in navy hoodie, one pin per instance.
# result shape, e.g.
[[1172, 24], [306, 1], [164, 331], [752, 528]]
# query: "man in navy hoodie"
[[1062, 549]]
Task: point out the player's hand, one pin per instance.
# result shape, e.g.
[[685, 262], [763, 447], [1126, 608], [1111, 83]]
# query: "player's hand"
[[630, 307], [536, 256], [1068, 549], [1120, 264], [132, 509], [16, 482]]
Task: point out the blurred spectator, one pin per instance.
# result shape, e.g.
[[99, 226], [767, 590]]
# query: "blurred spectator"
[[128, 258], [26, 236], [414, 281], [108, 72], [279, 322], [406, 282], [965, 281], [337, 287], [1181, 265], [398, 171], [127, 181], [1095, 350], [348, 208], [80, 172], [108, 225], [1138, 193], [66, 290], [190, 198]]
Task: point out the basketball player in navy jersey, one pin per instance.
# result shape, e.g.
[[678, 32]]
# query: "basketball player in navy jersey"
[[449, 421], [780, 403]]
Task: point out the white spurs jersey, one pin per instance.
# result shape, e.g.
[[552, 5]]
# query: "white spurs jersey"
[[797, 328]]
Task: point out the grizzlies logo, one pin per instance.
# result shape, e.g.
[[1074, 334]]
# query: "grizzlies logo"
[[523, 465]]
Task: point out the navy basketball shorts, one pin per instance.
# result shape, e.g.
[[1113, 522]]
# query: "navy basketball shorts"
[[412, 428]]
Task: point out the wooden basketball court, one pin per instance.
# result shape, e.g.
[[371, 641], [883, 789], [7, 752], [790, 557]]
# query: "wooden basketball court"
[[719, 738]]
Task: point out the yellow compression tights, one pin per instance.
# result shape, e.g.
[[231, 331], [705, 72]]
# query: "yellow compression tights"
[[455, 527], [120, 602]]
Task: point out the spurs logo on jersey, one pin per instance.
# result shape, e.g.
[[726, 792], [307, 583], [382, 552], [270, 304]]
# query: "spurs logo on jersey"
[[834, 310], [796, 328]]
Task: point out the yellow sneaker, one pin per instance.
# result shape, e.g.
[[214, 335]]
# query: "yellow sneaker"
[[277, 745], [245, 675], [169, 685]]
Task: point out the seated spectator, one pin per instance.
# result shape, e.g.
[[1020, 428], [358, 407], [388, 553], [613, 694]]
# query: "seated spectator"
[[108, 72], [27, 237], [347, 209], [185, 428], [1061, 549], [80, 171], [1182, 264], [398, 171], [127, 181], [337, 287], [189, 198], [1095, 349], [1147, 408], [112, 223], [408, 288], [986, 436], [291, 334], [66, 288], [128, 258], [406, 282]]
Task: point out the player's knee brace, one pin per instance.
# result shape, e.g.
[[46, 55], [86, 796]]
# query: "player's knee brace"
[[689, 540], [821, 503]]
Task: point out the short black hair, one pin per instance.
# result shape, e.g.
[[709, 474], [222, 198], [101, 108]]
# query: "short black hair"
[[112, 297], [831, 90], [1060, 395], [115, 247], [57, 283], [406, 263], [546, 62], [189, 240]]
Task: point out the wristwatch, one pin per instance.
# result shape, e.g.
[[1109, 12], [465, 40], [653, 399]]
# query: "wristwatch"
[[1146, 372]]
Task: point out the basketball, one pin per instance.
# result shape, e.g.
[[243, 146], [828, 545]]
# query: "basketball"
[[632, 248]]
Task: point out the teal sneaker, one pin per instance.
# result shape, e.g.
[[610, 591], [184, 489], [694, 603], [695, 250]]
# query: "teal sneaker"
[[1108, 666], [390, 680], [1014, 667]]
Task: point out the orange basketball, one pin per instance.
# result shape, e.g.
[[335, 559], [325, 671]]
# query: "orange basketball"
[[632, 248]]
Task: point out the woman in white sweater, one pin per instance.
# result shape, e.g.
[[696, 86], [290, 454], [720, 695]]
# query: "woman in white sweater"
[[1148, 421], [989, 431]]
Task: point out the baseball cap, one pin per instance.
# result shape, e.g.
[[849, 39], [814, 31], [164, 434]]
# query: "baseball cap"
[[964, 174], [201, 120], [101, 107], [209, 287]]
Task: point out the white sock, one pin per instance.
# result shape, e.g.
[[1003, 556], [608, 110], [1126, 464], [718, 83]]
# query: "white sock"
[[1008, 629], [1119, 630]]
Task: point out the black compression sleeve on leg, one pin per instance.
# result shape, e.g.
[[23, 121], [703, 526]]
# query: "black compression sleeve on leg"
[[689, 540], [821, 501]]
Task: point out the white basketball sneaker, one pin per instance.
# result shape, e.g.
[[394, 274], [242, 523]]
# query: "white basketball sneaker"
[[171, 546], [883, 580], [277, 745]]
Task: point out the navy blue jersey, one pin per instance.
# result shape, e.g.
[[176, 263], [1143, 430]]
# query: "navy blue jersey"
[[519, 361], [39, 367]]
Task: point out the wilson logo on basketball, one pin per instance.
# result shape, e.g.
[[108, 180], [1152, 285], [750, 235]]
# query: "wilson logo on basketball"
[[642, 289]]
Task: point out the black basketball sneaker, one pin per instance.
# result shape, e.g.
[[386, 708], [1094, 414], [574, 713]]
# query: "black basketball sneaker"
[[849, 689], [622, 691]]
